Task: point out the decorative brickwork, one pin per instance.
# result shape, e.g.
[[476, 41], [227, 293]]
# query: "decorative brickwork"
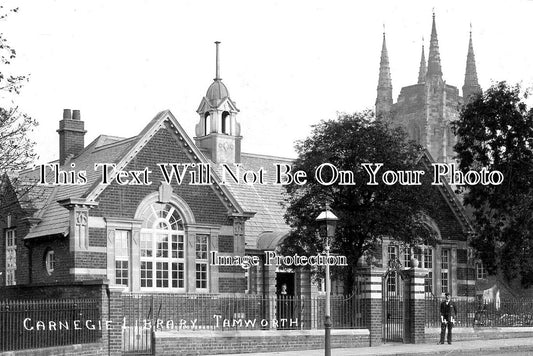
[[369, 281]]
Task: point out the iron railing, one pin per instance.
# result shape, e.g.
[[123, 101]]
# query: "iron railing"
[[517, 312], [221, 312], [28, 324]]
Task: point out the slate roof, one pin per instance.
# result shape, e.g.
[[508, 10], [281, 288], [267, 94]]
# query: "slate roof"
[[263, 199], [53, 217]]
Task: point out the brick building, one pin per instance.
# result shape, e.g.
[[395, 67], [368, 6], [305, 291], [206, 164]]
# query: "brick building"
[[158, 237], [138, 231]]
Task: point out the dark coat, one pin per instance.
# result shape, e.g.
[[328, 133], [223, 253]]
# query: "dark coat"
[[448, 310]]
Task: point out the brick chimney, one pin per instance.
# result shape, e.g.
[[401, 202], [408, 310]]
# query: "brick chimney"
[[71, 135]]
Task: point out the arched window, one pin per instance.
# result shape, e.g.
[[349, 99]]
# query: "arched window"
[[226, 123], [207, 124], [162, 248]]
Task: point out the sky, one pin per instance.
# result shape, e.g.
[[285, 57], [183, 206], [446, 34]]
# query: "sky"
[[287, 64]]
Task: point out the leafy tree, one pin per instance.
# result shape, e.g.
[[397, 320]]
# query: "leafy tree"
[[366, 212], [16, 148], [495, 131]]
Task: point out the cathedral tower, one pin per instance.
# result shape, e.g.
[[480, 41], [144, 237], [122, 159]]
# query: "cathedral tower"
[[218, 133], [427, 108]]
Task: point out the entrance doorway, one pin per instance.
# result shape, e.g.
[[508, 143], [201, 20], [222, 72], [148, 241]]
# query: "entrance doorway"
[[287, 279], [287, 303]]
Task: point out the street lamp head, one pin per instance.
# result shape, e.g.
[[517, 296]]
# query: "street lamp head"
[[328, 220]]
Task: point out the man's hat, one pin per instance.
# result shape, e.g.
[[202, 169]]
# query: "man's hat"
[[446, 294]]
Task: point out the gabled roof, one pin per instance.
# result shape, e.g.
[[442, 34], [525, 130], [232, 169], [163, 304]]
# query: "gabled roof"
[[54, 218], [263, 199], [449, 195]]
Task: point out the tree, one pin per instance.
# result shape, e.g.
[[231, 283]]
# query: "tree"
[[366, 212], [16, 148], [495, 131]]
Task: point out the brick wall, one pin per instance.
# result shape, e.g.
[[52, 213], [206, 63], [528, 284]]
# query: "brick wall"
[[464, 334], [95, 349], [9, 205], [225, 243], [232, 285], [63, 256], [182, 343], [86, 259], [90, 289], [110, 309], [121, 201], [98, 236]]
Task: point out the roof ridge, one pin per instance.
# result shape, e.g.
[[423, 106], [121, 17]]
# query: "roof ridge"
[[260, 155]]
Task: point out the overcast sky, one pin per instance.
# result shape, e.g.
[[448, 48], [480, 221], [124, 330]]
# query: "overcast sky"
[[287, 64]]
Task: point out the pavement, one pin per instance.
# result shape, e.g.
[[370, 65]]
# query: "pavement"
[[471, 347]]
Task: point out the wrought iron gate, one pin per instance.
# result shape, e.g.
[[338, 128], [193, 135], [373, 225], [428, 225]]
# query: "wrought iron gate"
[[138, 326], [393, 303]]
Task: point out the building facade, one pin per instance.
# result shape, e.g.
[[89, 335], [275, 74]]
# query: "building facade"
[[148, 212]]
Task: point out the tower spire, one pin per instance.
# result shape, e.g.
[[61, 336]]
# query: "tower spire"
[[423, 69], [471, 85], [217, 132], [434, 67], [217, 72], [384, 90]]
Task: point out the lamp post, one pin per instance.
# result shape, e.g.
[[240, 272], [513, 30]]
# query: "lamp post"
[[329, 220]]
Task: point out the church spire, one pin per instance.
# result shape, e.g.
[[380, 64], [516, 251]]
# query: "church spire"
[[384, 90], [471, 85], [423, 69], [434, 68]]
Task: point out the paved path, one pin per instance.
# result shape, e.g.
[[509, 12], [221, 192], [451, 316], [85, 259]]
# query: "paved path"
[[472, 347]]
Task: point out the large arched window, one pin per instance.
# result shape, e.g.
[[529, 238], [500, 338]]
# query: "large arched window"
[[162, 248]]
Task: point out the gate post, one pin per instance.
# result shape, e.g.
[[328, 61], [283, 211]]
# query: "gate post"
[[369, 280], [415, 311], [115, 315]]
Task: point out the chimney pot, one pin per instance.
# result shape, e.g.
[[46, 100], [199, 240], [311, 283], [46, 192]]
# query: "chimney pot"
[[67, 115], [71, 135]]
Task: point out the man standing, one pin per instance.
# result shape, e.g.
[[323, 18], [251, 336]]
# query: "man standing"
[[448, 312]]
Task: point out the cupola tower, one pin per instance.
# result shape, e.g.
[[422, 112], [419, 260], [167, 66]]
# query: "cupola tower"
[[218, 133]]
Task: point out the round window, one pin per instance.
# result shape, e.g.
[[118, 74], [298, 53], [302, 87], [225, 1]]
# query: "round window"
[[50, 261]]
